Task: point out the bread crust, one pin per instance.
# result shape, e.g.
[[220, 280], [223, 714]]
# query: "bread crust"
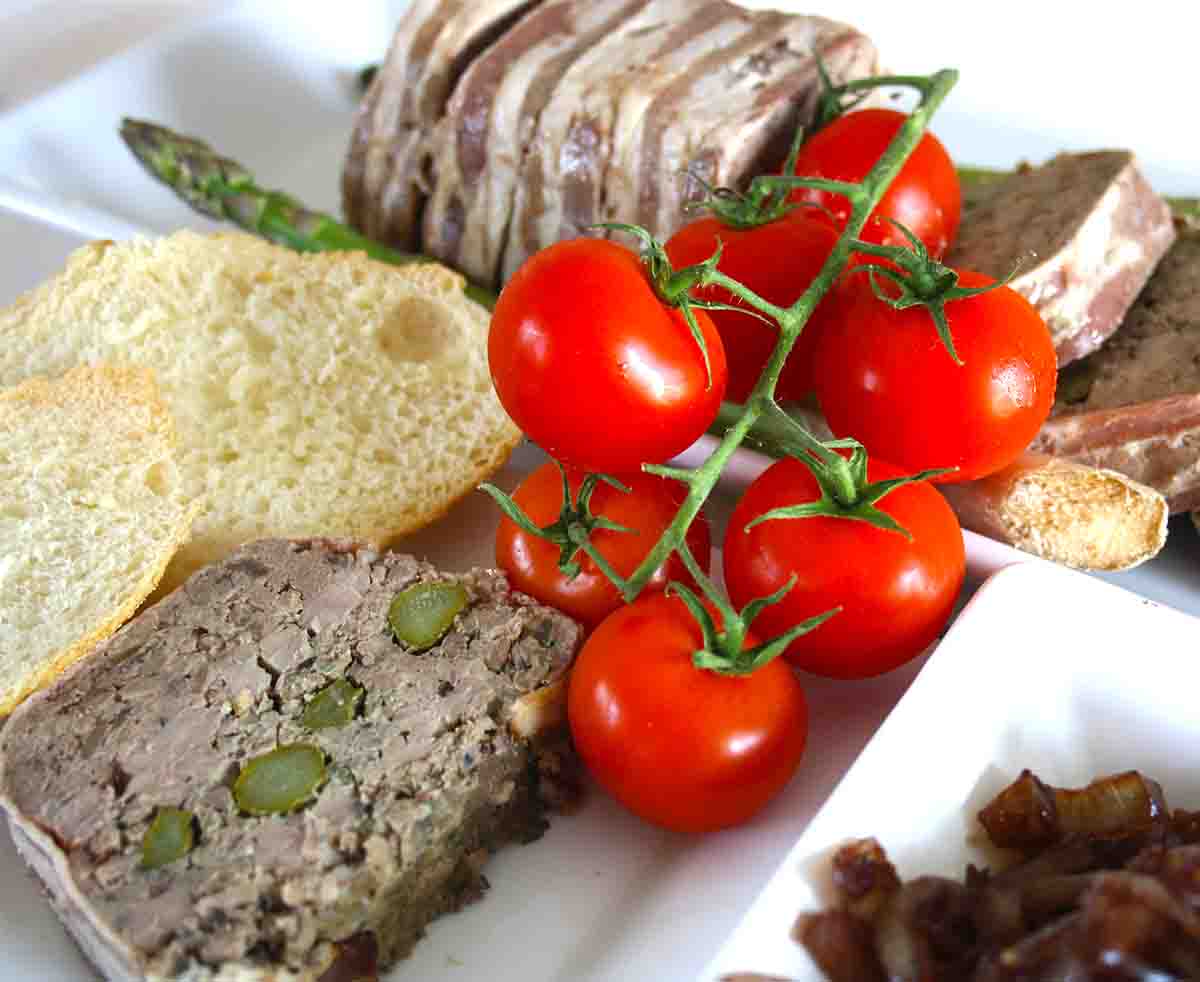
[[117, 396], [1070, 513], [335, 361]]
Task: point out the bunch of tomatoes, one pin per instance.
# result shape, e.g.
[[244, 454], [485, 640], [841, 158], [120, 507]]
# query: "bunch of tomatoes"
[[597, 369]]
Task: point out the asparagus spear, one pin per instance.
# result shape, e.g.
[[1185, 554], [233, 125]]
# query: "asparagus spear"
[[223, 189]]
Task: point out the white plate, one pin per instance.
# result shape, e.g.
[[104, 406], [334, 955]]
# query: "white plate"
[[602, 895], [271, 83], [1045, 669]]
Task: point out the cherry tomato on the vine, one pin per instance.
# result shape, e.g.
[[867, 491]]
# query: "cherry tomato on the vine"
[[777, 261], [682, 747], [884, 378], [896, 593], [593, 367], [925, 196], [646, 510]]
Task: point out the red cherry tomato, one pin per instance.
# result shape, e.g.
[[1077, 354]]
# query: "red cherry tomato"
[[925, 195], [896, 594], [777, 261], [884, 378], [532, 562], [682, 747], [593, 367]]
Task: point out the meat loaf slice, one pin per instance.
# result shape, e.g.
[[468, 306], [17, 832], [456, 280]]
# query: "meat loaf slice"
[[383, 179], [420, 784], [1134, 405], [480, 143], [1087, 231], [709, 87]]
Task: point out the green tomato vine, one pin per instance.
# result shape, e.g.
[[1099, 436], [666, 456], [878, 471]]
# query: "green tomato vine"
[[841, 476]]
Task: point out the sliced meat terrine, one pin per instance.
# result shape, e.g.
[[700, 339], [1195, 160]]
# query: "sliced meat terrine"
[[1134, 405], [582, 111], [385, 176], [682, 93], [168, 725], [1084, 230], [480, 142]]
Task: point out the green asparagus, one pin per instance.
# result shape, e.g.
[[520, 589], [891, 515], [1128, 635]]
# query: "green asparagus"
[[223, 189]]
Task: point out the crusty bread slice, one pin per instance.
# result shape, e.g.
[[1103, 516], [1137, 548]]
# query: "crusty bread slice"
[[92, 507], [315, 394]]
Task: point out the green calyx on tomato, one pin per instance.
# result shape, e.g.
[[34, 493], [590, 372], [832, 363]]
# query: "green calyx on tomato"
[[845, 489], [727, 650], [763, 201], [572, 531], [674, 286], [921, 281]]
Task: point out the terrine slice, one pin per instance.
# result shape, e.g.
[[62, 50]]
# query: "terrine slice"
[[1134, 405], [420, 783], [1084, 231], [384, 179], [480, 143], [709, 88]]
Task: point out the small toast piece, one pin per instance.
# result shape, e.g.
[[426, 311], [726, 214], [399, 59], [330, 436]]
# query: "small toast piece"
[[1085, 231], [314, 394], [1064, 511], [1060, 510], [1134, 405], [422, 778], [92, 508]]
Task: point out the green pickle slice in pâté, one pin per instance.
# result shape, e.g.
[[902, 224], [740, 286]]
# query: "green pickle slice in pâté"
[[422, 614], [334, 705], [170, 837], [281, 780]]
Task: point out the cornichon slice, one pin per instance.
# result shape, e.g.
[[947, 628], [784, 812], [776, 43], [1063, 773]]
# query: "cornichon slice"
[[170, 837], [420, 615], [281, 780], [334, 705]]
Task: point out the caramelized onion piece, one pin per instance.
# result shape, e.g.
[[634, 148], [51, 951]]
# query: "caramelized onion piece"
[[1031, 814], [1108, 891], [926, 930], [1022, 815], [1131, 923], [863, 876], [1044, 956], [841, 944]]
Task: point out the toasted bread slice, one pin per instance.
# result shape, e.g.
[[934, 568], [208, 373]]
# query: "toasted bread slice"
[[315, 394], [92, 508]]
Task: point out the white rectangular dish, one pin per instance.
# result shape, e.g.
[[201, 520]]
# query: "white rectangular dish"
[[1045, 669], [602, 897]]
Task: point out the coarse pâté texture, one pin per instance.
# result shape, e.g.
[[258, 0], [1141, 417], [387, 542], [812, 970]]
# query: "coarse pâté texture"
[[425, 779]]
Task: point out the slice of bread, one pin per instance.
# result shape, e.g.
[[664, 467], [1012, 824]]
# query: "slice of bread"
[[315, 394], [92, 507]]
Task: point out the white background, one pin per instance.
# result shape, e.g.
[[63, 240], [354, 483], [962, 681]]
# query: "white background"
[[1035, 76]]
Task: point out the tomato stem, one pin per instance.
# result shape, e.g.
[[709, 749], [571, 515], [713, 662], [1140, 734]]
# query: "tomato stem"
[[573, 528], [863, 198]]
